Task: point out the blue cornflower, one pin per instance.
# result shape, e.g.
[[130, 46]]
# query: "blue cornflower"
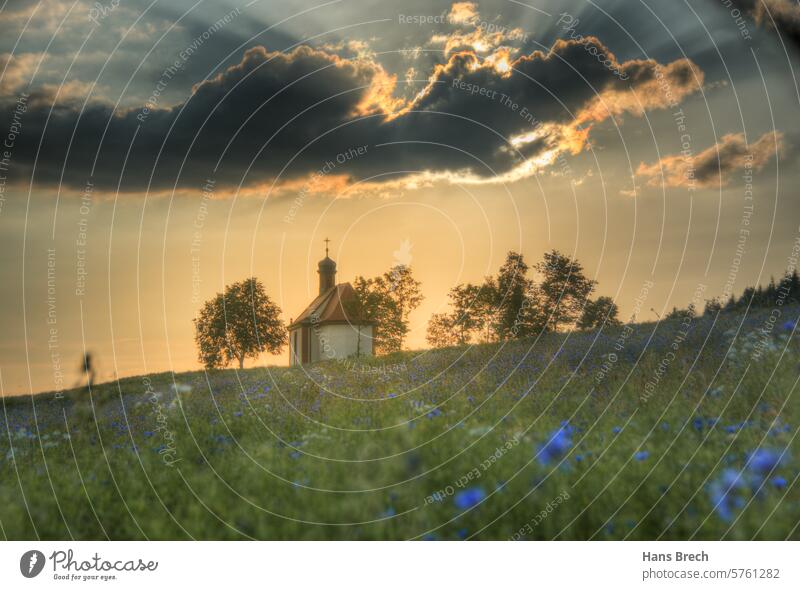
[[296, 455], [468, 498], [434, 413], [789, 326], [763, 461], [148, 433], [779, 482], [238, 414], [555, 447], [462, 533], [616, 430], [566, 427], [390, 511], [733, 428], [697, 423], [721, 492], [641, 455]]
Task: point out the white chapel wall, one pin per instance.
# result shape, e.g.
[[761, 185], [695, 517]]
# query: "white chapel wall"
[[338, 341]]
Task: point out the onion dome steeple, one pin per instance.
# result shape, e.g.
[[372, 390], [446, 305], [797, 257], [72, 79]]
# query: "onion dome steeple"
[[327, 271]]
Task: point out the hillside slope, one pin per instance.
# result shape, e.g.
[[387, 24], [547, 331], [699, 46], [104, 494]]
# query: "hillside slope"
[[672, 431]]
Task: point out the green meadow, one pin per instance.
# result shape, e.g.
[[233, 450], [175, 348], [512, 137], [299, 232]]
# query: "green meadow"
[[684, 429]]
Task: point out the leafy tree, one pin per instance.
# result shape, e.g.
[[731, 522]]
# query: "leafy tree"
[[503, 307], [242, 322], [512, 292], [373, 304], [441, 331], [405, 291], [564, 288], [601, 312], [473, 311]]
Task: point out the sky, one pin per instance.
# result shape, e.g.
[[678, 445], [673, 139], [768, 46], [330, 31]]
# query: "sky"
[[155, 151]]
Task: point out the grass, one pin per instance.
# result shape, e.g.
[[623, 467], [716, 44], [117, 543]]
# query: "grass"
[[689, 432]]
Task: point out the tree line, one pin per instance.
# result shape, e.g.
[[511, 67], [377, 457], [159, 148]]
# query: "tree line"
[[512, 305], [786, 291]]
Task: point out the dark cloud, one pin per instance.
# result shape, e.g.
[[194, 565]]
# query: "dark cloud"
[[289, 113], [783, 15]]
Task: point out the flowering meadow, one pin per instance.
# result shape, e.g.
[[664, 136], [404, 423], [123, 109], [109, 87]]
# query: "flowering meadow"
[[682, 429]]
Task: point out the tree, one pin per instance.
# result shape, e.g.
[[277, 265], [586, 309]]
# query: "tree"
[[512, 297], [713, 306], [564, 288], [373, 304], [242, 322], [504, 307], [473, 311], [406, 293], [675, 314], [601, 312], [387, 300], [441, 331]]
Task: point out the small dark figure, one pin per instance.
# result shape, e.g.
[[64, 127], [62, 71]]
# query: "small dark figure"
[[87, 370]]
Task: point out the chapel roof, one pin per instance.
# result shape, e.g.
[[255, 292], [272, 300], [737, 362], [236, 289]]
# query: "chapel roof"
[[329, 308]]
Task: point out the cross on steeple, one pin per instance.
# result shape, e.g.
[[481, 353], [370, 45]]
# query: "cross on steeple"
[[326, 246]]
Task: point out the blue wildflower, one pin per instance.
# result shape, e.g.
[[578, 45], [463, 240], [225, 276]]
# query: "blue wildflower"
[[722, 490], [462, 533], [697, 424], [238, 414], [789, 326], [434, 413], [555, 447], [763, 461], [779, 482], [641, 455], [148, 433], [733, 428], [566, 427], [390, 511], [616, 430], [468, 498]]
